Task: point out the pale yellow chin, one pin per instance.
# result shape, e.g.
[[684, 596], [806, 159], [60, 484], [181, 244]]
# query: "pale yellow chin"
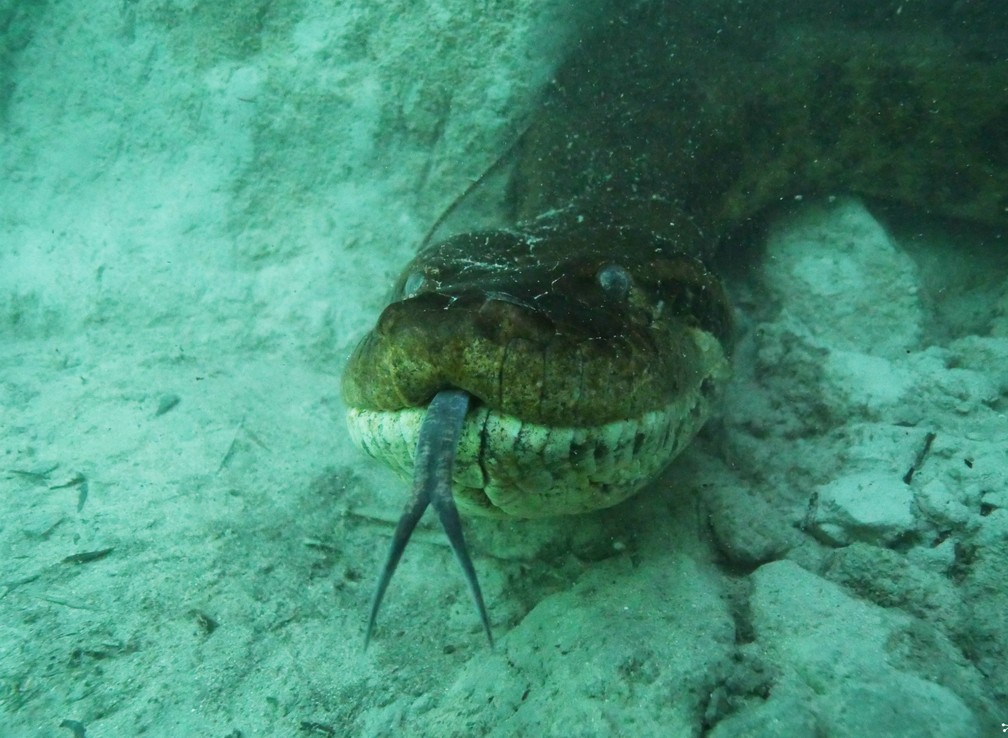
[[506, 467]]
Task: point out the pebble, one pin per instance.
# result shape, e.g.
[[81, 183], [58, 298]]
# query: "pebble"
[[865, 506]]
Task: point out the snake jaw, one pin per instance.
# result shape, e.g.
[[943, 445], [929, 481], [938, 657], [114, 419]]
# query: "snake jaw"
[[509, 467], [432, 485]]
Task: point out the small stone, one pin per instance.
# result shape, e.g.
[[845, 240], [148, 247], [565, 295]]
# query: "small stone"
[[781, 715], [747, 531], [866, 507], [940, 506], [166, 403]]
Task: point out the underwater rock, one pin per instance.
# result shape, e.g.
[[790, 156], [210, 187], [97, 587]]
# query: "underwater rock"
[[830, 649], [747, 530], [866, 506], [886, 578], [844, 279], [643, 655]]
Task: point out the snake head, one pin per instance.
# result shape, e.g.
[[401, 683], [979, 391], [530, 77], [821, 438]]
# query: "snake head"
[[534, 373]]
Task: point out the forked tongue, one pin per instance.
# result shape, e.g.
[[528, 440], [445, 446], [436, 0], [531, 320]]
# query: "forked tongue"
[[432, 485]]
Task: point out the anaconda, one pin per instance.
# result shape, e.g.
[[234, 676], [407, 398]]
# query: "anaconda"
[[567, 358]]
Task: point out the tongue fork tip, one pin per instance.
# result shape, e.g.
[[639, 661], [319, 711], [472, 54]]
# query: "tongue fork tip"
[[432, 484]]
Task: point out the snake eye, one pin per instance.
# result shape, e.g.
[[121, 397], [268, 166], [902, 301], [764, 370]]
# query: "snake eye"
[[413, 284], [614, 280]]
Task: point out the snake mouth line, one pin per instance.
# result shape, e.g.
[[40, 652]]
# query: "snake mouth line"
[[506, 467]]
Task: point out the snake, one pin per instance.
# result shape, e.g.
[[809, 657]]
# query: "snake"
[[556, 364]]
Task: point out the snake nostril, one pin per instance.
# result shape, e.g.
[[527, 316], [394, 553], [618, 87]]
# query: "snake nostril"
[[405, 315], [503, 317]]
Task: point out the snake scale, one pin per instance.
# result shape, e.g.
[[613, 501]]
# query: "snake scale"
[[557, 365]]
